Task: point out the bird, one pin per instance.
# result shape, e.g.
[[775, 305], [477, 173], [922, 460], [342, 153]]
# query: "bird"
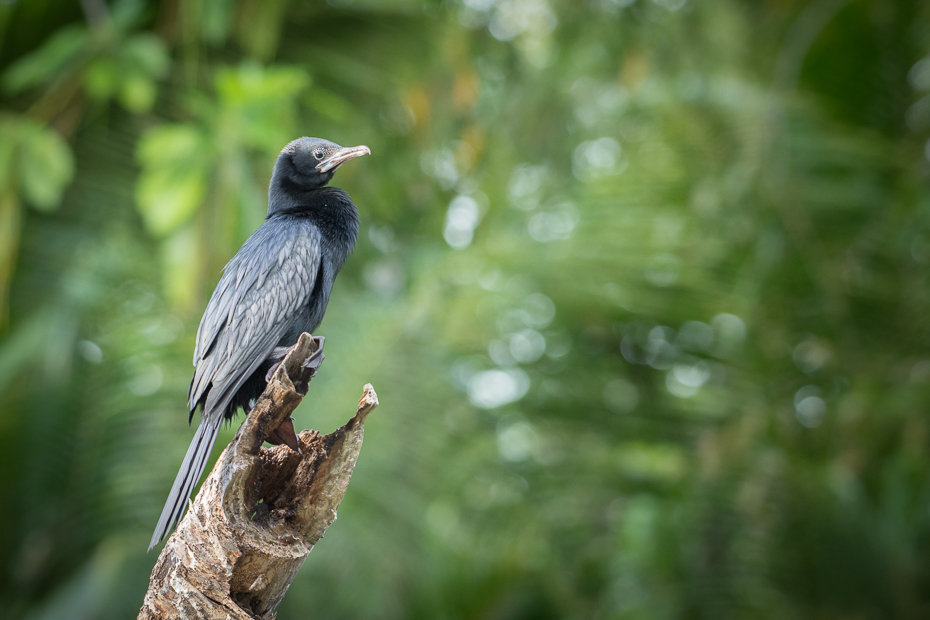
[[276, 287]]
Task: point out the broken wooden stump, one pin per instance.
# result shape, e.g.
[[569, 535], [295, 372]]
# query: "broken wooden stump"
[[261, 510]]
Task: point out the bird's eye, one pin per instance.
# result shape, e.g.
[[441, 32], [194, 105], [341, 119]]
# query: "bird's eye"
[[318, 154]]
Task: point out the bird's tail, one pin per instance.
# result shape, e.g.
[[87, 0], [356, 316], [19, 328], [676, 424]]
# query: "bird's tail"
[[191, 469]]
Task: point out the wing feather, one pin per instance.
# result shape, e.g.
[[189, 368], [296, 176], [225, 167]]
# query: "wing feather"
[[263, 289]]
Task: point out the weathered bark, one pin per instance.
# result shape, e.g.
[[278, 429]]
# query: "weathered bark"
[[260, 511]]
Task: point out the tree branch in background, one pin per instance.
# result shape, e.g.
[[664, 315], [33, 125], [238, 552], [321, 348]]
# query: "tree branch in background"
[[261, 510]]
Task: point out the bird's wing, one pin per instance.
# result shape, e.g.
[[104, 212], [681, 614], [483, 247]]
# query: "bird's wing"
[[263, 288]]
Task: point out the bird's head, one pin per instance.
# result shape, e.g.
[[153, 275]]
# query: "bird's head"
[[309, 163]]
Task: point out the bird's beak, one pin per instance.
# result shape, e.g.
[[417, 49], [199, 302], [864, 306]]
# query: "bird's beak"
[[342, 156]]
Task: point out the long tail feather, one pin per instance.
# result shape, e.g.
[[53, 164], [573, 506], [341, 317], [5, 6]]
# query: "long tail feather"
[[191, 469]]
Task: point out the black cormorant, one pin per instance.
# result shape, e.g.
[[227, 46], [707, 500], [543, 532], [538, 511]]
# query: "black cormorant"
[[275, 288]]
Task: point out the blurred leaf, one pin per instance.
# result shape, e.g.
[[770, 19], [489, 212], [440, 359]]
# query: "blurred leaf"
[[146, 53], [101, 79], [62, 49], [178, 253], [137, 94], [257, 105], [46, 166], [175, 160], [130, 72]]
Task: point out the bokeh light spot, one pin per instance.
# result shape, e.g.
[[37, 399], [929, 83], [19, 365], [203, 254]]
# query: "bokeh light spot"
[[461, 219], [495, 388]]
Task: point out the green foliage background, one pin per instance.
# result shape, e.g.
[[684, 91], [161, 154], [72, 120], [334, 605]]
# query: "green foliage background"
[[642, 285]]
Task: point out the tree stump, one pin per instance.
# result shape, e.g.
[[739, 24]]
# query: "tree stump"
[[261, 510]]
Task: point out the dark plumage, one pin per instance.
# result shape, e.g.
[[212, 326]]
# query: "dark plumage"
[[276, 287]]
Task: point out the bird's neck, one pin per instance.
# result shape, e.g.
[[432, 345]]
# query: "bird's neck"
[[329, 208]]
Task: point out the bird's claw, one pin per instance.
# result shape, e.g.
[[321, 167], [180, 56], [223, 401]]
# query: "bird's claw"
[[313, 362], [271, 371]]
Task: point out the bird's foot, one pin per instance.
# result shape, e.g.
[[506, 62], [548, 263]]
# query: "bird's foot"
[[285, 434], [271, 371], [313, 362]]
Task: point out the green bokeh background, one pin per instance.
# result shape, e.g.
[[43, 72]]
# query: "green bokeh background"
[[642, 286]]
